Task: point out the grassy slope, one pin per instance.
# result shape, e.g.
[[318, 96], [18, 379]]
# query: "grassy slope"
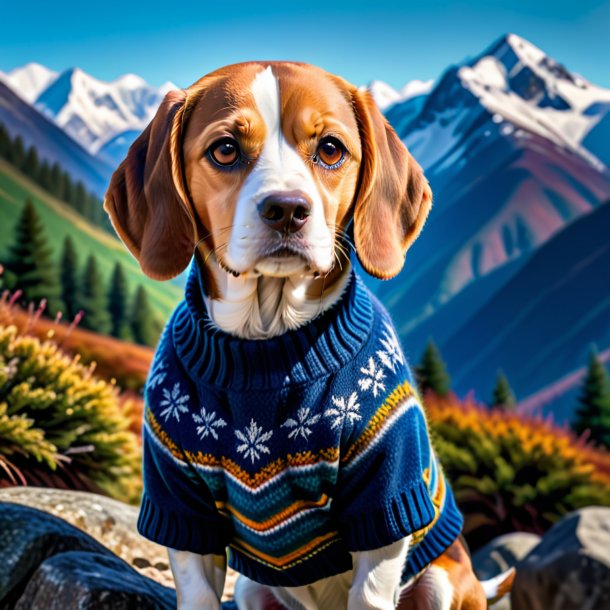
[[61, 221]]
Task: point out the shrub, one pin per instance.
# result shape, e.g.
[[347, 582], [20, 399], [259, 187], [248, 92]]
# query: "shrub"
[[58, 422], [513, 473]]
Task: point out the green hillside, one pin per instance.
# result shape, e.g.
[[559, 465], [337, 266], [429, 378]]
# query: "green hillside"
[[60, 221]]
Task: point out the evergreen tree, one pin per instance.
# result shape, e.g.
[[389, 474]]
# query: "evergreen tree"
[[5, 142], [593, 413], [503, 397], [56, 182], [44, 177], [69, 278], [17, 152], [29, 264], [67, 188], [80, 198], [93, 300], [31, 164], [432, 373], [118, 304], [143, 324]]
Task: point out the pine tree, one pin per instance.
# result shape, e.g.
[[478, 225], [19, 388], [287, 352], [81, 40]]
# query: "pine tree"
[[31, 164], [118, 304], [503, 397], [44, 177], [29, 264], [93, 300], [17, 152], [432, 373], [5, 142], [593, 413], [143, 324], [67, 187], [56, 185], [69, 278]]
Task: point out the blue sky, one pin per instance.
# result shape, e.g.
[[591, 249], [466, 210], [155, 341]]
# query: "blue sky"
[[180, 40]]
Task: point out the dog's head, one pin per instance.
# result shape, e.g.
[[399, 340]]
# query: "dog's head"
[[265, 164]]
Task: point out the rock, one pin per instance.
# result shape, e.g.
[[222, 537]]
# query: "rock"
[[570, 568], [78, 580], [110, 522], [48, 564], [501, 554]]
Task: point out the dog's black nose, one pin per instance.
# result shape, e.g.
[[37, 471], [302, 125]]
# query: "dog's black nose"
[[285, 212]]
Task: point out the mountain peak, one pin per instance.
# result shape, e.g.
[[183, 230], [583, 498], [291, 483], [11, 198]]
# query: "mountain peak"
[[29, 80]]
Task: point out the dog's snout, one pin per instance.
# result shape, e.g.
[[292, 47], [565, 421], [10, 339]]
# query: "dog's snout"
[[285, 212]]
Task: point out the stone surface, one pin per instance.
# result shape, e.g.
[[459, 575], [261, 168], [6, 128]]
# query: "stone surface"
[[501, 554], [77, 580], [570, 568], [110, 522]]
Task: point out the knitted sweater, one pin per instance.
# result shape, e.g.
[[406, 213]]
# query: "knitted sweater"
[[291, 451]]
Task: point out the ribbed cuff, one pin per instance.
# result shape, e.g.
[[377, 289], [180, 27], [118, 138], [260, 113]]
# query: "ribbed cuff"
[[182, 532], [404, 514]]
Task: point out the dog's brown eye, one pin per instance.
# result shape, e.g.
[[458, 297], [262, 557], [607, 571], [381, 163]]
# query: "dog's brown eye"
[[330, 152], [225, 152]]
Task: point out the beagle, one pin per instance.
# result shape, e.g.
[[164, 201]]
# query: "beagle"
[[270, 172]]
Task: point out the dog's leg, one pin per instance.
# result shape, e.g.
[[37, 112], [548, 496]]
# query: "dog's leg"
[[376, 581], [250, 595], [199, 579]]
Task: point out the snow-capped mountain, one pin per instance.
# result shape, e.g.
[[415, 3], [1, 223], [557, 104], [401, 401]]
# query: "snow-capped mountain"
[[385, 95], [513, 145], [51, 142], [28, 81], [95, 112]]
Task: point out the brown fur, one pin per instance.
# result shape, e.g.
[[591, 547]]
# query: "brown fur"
[[166, 197]]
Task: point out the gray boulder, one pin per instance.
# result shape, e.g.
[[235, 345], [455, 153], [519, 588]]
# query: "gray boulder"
[[570, 568], [77, 580], [44, 562], [503, 553]]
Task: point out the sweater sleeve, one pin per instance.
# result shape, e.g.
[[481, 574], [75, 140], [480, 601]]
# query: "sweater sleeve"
[[177, 508], [386, 458]]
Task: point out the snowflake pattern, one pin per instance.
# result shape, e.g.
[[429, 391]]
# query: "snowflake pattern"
[[174, 402], [253, 441], [301, 425], [344, 409], [157, 374], [391, 354], [373, 378], [208, 423]]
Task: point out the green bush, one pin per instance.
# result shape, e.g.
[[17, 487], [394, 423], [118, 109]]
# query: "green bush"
[[513, 473], [57, 418]]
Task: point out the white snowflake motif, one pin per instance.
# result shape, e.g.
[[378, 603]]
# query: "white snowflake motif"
[[174, 402], [391, 355], [157, 374], [373, 378], [301, 425], [253, 439], [349, 409], [208, 422]]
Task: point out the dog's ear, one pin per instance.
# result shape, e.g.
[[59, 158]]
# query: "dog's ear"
[[393, 197], [147, 200]]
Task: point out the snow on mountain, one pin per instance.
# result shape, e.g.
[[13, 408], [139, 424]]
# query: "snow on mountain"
[[385, 95], [513, 145], [529, 90], [94, 112], [28, 81]]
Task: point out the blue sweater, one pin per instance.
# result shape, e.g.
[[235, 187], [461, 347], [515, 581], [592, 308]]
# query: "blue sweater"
[[291, 451]]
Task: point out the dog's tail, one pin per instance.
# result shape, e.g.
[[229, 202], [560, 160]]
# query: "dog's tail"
[[498, 586]]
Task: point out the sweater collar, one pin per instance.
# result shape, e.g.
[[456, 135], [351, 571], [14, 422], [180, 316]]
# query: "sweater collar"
[[321, 347]]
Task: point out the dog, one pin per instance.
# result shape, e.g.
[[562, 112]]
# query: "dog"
[[282, 419]]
